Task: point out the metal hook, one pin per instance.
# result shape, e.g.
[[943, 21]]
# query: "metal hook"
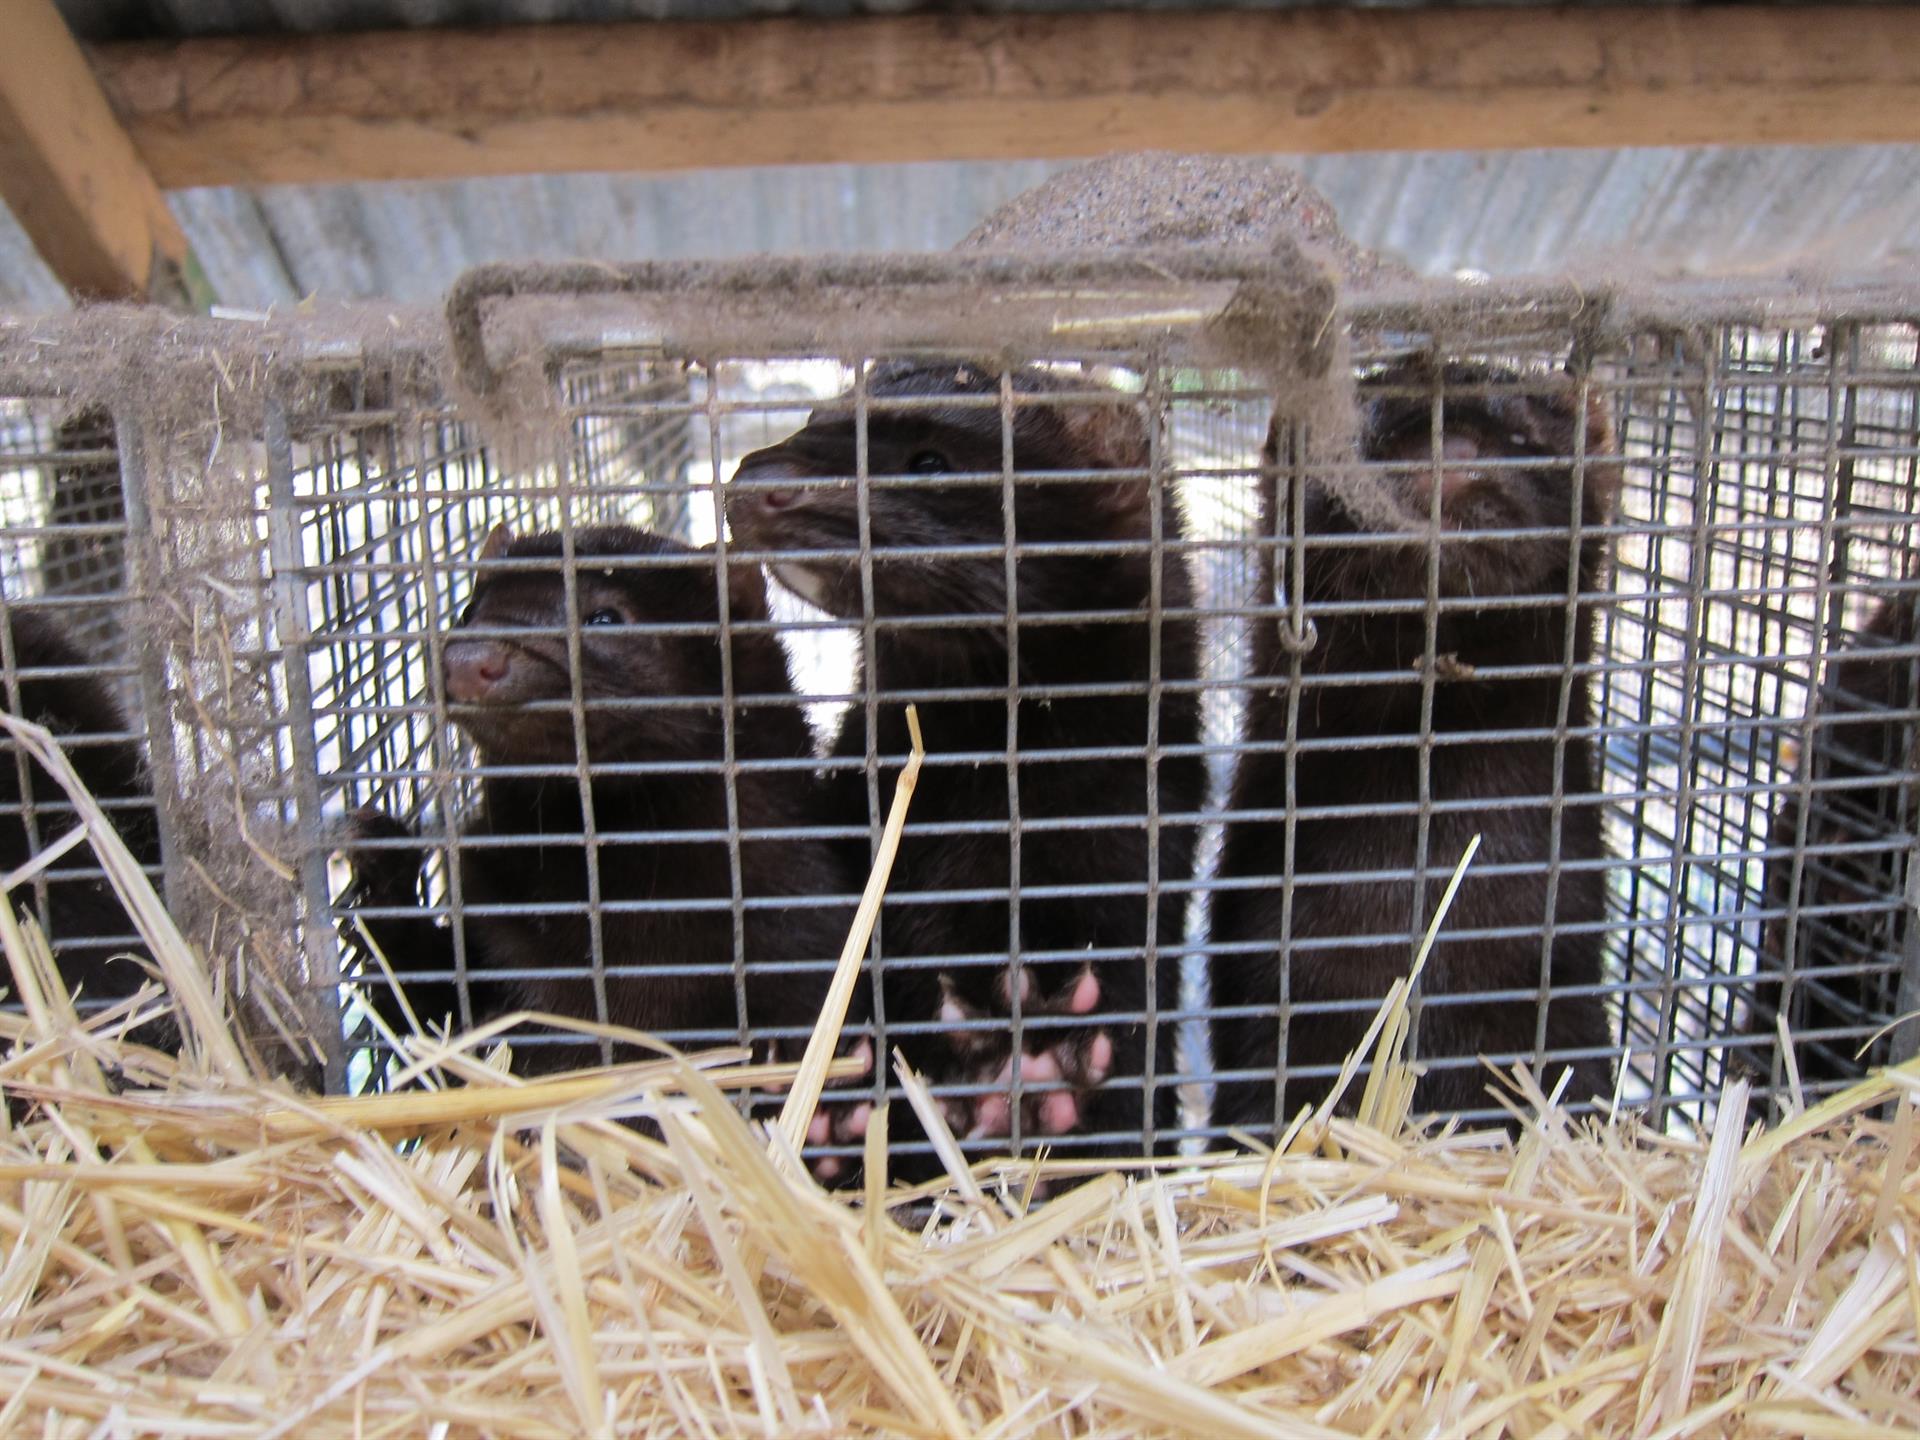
[[1298, 642]]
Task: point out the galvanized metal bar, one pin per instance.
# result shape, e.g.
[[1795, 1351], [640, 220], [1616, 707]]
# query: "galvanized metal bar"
[[295, 626]]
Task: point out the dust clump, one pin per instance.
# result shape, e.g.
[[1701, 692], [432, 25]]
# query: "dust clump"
[[1286, 328], [1158, 200]]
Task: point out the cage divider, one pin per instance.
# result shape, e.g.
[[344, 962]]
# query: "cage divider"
[[729, 758], [1429, 674], [1016, 959], [867, 697], [1581, 368], [295, 633], [1699, 579], [1297, 638], [437, 583], [583, 759], [1154, 363]]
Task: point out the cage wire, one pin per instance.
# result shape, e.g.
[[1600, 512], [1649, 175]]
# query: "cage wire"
[[1754, 812], [63, 573]]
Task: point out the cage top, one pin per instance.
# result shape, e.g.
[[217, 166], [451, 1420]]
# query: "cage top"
[[1272, 315]]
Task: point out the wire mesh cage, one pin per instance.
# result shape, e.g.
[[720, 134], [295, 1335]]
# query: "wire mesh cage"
[[1221, 658], [1762, 647], [64, 661]]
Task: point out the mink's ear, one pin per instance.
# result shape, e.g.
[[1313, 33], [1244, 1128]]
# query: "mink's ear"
[[1604, 475], [1270, 447], [1111, 436], [746, 592], [1114, 437], [1267, 484], [746, 589], [1599, 425], [498, 539]]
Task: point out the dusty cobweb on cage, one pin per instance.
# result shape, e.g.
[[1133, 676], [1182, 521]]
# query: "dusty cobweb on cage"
[[200, 1248]]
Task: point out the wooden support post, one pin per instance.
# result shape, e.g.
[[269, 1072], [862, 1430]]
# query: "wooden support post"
[[74, 180], [667, 96]]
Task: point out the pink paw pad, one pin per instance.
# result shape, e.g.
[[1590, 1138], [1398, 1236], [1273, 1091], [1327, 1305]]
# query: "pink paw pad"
[[1099, 1058], [1059, 1112], [991, 1116], [1041, 1069]]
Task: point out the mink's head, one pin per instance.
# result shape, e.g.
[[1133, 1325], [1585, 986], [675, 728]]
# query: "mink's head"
[[939, 440], [648, 613], [1500, 459]]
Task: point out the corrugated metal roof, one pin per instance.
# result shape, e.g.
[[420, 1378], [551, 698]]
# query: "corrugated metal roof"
[[1505, 213], [1502, 212]]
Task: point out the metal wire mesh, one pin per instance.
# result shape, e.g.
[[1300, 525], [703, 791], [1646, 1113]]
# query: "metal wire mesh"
[[1694, 827], [64, 662], [1772, 540]]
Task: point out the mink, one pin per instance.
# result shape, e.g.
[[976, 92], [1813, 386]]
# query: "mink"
[[1083, 779], [1851, 919], [524, 866], [88, 926], [1348, 939]]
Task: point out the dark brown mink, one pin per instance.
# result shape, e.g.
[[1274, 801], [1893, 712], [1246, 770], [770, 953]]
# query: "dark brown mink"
[[524, 868], [1851, 923], [1351, 938], [85, 920], [1081, 757]]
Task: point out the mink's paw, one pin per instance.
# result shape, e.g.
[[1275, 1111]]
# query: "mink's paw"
[[387, 874], [836, 1122], [1059, 1065]]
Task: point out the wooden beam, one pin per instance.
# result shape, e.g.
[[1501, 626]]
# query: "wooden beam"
[[72, 177], [654, 96]]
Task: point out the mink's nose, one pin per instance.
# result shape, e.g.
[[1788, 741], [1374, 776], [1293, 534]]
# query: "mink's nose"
[[1458, 473], [758, 482], [475, 669]]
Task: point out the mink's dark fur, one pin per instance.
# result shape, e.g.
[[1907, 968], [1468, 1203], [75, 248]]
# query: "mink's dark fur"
[[86, 921], [1846, 962], [773, 507], [1504, 783], [518, 713]]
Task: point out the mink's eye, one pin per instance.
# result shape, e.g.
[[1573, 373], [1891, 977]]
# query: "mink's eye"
[[607, 616], [928, 462], [1413, 441]]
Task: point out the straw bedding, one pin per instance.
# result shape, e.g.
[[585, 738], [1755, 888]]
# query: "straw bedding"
[[192, 1251]]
